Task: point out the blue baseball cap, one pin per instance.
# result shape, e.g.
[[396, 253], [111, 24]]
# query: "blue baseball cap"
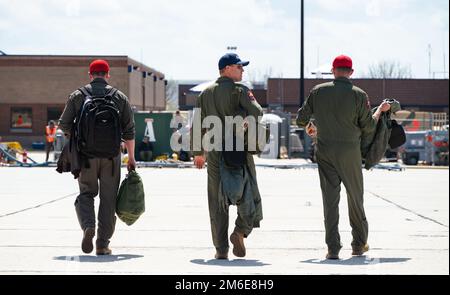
[[231, 59]]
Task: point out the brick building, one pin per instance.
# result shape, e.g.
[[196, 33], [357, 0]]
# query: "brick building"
[[427, 95], [34, 89], [186, 99]]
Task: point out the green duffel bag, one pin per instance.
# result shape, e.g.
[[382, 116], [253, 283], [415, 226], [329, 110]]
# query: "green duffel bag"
[[130, 200]]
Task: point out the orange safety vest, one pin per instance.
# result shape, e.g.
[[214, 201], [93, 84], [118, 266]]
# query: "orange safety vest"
[[50, 134]]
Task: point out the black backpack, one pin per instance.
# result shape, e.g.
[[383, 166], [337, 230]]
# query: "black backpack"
[[398, 136], [98, 131]]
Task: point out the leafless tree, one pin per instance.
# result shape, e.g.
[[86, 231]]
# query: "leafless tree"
[[389, 70], [259, 76]]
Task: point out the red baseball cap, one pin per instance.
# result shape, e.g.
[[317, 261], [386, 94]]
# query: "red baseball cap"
[[343, 61], [99, 65]]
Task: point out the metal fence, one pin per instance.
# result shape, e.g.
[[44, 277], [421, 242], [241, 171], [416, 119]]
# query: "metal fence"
[[422, 121]]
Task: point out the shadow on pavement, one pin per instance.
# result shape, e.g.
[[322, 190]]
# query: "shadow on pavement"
[[356, 260], [234, 262], [100, 258]]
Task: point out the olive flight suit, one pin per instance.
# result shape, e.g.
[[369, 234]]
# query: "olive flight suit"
[[100, 175], [217, 100], [342, 115]]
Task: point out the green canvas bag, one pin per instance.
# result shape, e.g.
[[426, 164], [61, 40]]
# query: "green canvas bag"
[[131, 199]]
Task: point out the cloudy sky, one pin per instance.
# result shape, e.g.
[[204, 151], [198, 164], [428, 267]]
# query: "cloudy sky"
[[184, 39]]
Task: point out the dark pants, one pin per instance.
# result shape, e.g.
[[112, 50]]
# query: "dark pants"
[[341, 163], [104, 176], [146, 156], [48, 147]]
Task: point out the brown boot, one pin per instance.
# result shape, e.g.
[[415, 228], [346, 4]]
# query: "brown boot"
[[360, 250], [220, 255], [86, 243], [103, 251], [237, 239], [332, 255]]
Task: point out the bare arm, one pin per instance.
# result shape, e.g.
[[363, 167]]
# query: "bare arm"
[[383, 107], [305, 112], [129, 144]]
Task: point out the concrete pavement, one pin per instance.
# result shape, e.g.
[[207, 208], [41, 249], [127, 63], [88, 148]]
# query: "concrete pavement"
[[408, 214]]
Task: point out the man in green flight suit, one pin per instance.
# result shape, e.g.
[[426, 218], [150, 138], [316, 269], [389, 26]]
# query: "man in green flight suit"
[[342, 115], [220, 100]]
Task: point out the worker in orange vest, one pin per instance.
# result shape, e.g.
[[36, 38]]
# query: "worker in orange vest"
[[50, 134]]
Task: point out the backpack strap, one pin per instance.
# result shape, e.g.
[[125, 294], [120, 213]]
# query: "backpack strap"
[[86, 95], [111, 93], [85, 92]]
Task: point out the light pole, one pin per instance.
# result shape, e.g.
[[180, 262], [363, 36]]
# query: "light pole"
[[429, 61], [302, 77]]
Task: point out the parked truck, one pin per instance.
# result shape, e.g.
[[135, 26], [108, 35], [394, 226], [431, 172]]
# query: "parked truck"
[[428, 147]]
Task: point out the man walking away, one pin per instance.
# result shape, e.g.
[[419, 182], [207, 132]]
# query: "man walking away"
[[342, 114], [220, 100], [99, 109]]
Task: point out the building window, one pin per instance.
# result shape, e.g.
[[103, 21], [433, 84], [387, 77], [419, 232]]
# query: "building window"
[[53, 114], [21, 120]]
